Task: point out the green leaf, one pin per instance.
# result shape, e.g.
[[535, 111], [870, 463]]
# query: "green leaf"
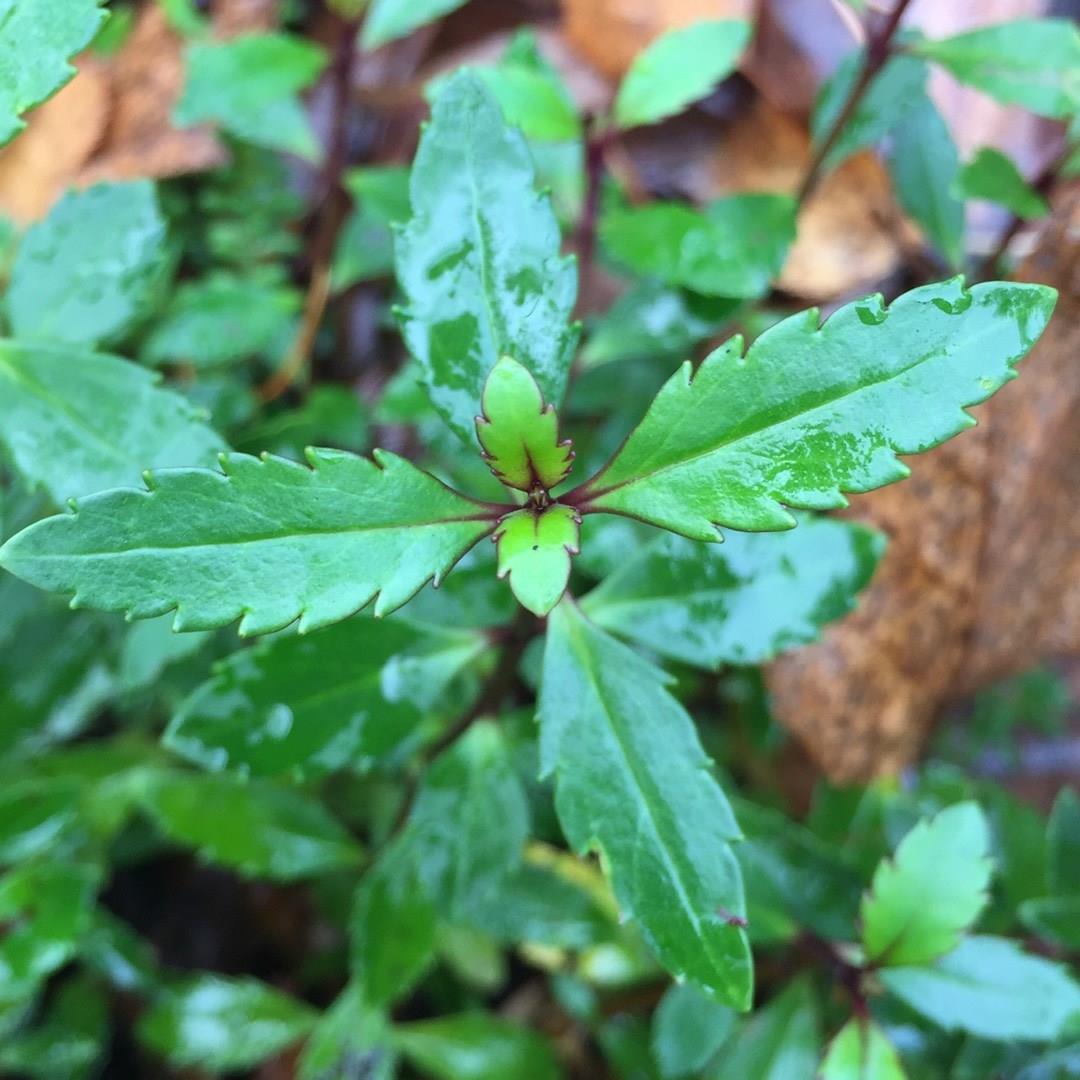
[[75, 421], [37, 38], [740, 602], [350, 1036], [991, 988], [678, 68], [342, 697], [732, 248], [944, 857], [388, 20], [34, 814], [329, 416], [535, 552], [1063, 844], [258, 829], [519, 433], [475, 1046], [479, 261], [249, 87], [89, 271], [811, 412], [532, 100], [897, 90], [924, 163], [276, 541], [365, 249], [222, 318], [1030, 62], [861, 1051], [152, 646], [780, 1042], [993, 176], [210, 1022], [688, 1028], [1055, 919], [633, 783]]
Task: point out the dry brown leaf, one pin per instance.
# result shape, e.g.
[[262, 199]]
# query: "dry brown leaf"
[[982, 576]]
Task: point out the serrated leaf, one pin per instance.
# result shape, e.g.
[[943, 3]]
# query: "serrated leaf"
[[989, 987], [89, 271], [75, 421], [924, 163], [340, 698], [688, 1028], [222, 1024], [535, 552], [993, 176], [249, 87], [519, 432], [811, 412], [388, 20], [1030, 62], [946, 857], [1063, 844], [37, 39], [861, 1051], [732, 248], [678, 68], [740, 602], [257, 828], [479, 261], [633, 782], [274, 542]]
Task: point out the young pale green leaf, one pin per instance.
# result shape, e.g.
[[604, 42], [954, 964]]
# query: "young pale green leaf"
[[249, 87], [1030, 62], [740, 602], [475, 1046], [259, 829], [340, 698], [87, 272], [210, 1022], [946, 857], [1063, 844], [519, 433], [989, 987], [732, 248], [273, 542], [924, 163], [993, 176], [688, 1028], [861, 1051], [535, 552], [780, 1042], [1055, 919], [678, 68], [633, 782], [37, 39], [479, 261], [533, 101], [75, 421], [813, 411], [388, 20]]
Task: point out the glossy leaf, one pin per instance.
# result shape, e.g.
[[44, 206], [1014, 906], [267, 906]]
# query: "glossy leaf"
[[37, 39], [1063, 844], [211, 1022], [1028, 62], [75, 421], [339, 698], [276, 542], [89, 270], [519, 432], [479, 261], [678, 68], [991, 988], [993, 176], [633, 782], [249, 87], [861, 1051], [688, 1028], [388, 20], [535, 552], [258, 829], [740, 602], [732, 248], [811, 412], [946, 857]]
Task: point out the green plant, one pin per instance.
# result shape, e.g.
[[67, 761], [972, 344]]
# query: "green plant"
[[379, 744]]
